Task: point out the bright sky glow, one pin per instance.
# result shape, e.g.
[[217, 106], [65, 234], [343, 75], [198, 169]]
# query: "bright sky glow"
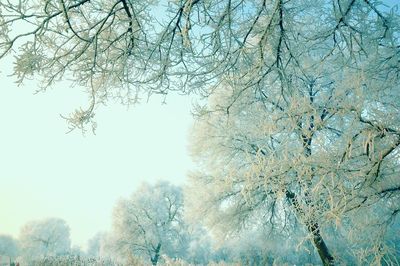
[[48, 173]]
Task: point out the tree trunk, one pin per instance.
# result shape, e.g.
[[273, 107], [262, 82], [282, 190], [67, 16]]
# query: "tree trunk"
[[313, 227], [154, 260], [319, 243]]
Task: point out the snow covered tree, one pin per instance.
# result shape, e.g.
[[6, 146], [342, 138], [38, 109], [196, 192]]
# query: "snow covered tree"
[[49, 237], [326, 152], [149, 224], [200, 245], [120, 49], [8, 247], [312, 133], [95, 244], [105, 246]]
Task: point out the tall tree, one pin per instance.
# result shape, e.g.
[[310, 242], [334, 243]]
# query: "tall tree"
[[314, 137], [149, 224]]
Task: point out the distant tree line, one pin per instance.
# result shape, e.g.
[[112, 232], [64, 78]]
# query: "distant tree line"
[[155, 227]]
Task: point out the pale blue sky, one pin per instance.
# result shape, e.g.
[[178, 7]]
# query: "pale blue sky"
[[47, 173]]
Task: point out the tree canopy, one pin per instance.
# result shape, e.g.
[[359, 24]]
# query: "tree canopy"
[[124, 49], [316, 136], [328, 151], [48, 237], [150, 223], [8, 246]]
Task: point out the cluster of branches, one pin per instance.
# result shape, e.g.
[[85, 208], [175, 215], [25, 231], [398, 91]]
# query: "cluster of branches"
[[302, 118], [120, 48]]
